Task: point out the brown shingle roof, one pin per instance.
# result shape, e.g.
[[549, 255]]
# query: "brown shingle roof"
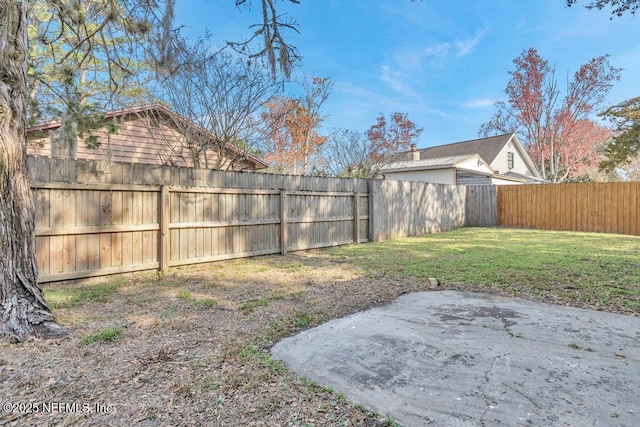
[[487, 148]]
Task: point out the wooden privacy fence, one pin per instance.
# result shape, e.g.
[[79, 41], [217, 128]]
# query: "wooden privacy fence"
[[96, 218], [403, 208], [481, 206], [594, 207], [96, 229]]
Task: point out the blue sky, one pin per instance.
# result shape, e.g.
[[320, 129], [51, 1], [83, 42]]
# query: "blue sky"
[[443, 62]]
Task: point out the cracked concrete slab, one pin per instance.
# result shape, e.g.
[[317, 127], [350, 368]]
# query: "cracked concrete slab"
[[466, 359]]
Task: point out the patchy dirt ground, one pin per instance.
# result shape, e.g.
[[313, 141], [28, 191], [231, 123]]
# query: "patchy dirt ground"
[[190, 347]]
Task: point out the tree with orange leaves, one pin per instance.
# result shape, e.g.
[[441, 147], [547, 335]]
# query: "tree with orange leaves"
[[557, 132], [362, 155], [291, 129], [581, 153], [388, 138]]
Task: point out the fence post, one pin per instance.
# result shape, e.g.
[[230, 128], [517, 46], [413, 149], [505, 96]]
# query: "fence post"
[[374, 192], [283, 222], [164, 227], [356, 217]]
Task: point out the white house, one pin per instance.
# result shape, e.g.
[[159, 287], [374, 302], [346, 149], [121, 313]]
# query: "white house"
[[497, 160]]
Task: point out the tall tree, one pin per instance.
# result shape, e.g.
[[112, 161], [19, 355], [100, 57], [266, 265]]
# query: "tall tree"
[[83, 64], [624, 149], [548, 126], [390, 137], [292, 139], [582, 152], [363, 155], [270, 31], [347, 153], [618, 7], [221, 92], [23, 311], [62, 63], [632, 169]]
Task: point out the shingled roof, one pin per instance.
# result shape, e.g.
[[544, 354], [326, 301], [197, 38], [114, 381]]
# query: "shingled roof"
[[487, 148]]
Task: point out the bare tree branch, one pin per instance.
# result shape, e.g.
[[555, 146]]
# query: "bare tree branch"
[[280, 54]]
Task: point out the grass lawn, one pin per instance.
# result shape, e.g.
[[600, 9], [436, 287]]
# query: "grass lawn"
[[191, 347], [600, 271]]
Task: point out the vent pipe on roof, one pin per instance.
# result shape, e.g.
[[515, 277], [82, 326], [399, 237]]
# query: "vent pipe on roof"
[[414, 152]]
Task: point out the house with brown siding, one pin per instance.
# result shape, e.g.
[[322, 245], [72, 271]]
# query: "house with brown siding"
[[151, 134]]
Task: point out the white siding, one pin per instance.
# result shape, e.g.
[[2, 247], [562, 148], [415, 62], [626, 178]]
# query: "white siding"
[[475, 165], [434, 176], [519, 166]]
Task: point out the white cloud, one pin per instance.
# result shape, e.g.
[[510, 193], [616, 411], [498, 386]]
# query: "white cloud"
[[437, 112], [465, 47], [408, 58], [478, 103], [362, 98], [395, 80], [438, 54], [461, 47], [437, 49], [370, 98]]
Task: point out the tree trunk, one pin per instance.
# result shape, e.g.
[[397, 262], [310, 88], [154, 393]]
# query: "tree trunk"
[[23, 311]]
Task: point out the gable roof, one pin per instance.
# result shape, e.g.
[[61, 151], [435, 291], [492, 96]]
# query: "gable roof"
[[487, 148], [158, 109]]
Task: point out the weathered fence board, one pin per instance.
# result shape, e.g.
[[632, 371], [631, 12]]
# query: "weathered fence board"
[[215, 224], [85, 230], [594, 207], [89, 229], [94, 218], [481, 206], [401, 209]]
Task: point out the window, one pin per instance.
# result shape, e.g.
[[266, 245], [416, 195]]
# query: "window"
[[509, 160]]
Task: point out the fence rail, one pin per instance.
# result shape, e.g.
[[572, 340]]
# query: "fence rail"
[[593, 207], [85, 230], [95, 218]]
